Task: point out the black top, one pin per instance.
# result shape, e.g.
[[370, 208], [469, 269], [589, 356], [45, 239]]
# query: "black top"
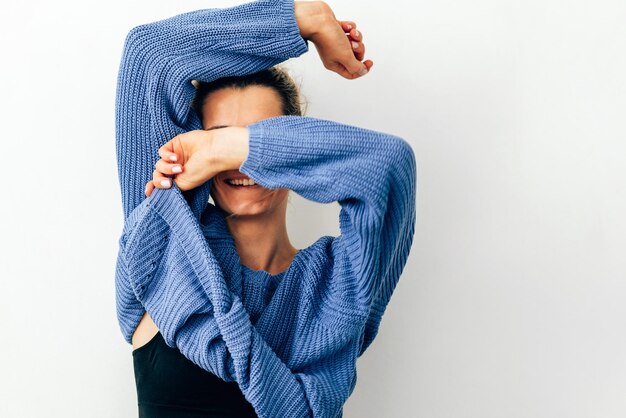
[[169, 385]]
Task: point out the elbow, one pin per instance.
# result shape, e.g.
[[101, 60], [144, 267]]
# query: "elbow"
[[404, 162], [404, 149], [140, 37], [404, 178], [141, 29], [133, 36], [132, 44]]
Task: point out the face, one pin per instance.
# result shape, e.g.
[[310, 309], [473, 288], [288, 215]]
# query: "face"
[[241, 107]]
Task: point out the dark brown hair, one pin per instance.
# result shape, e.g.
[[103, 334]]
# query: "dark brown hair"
[[275, 77]]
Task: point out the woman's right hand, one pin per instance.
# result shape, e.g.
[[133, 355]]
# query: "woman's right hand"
[[338, 42]]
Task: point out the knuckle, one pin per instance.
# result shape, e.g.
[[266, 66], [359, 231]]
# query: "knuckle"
[[323, 6]]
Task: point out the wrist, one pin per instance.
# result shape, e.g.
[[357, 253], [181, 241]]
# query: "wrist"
[[229, 148], [309, 16]]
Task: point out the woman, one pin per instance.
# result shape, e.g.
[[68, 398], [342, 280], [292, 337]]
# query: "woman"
[[247, 142]]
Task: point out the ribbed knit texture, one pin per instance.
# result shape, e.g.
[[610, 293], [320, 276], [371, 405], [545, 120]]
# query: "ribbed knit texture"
[[290, 340]]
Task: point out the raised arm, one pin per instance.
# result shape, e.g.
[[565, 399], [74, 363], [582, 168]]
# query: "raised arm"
[[373, 177], [160, 59]]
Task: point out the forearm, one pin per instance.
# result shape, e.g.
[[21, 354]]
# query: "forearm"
[[228, 148], [256, 28], [326, 161]]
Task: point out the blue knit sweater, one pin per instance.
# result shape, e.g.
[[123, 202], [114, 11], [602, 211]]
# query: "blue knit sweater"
[[289, 340]]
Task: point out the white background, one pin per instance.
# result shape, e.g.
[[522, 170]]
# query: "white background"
[[512, 302]]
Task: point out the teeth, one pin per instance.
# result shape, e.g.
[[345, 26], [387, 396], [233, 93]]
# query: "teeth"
[[242, 182]]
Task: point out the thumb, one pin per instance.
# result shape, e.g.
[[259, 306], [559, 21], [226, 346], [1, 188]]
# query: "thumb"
[[353, 65], [176, 146]]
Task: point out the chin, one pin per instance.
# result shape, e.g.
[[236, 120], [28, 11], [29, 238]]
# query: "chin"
[[246, 208], [244, 201], [240, 205]]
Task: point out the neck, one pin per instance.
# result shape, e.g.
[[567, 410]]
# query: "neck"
[[262, 241]]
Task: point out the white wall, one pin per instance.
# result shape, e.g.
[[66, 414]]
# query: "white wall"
[[511, 304]]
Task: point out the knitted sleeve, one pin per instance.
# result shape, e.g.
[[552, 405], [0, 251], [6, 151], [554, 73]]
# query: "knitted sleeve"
[[159, 60], [373, 177]]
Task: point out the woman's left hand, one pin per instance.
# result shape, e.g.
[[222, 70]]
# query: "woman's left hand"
[[193, 158]]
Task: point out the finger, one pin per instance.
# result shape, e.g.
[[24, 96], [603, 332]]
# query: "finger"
[[347, 25], [353, 65], [167, 152], [356, 35], [168, 168], [344, 72], [148, 189], [160, 181], [359, 49]]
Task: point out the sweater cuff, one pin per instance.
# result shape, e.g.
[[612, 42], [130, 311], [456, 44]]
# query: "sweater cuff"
[[292, 29], [252, 165]]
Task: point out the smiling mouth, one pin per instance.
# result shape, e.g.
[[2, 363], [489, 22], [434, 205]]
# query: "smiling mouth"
[[241, 186], [236, 186]]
